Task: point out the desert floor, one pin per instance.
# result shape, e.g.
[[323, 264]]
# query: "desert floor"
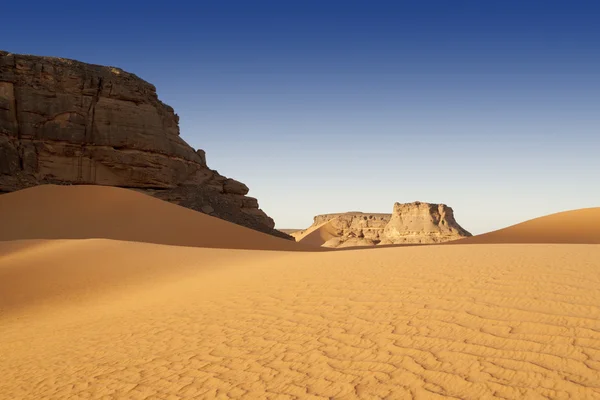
[[137, 319]]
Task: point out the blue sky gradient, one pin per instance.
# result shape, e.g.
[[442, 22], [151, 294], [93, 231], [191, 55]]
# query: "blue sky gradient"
[[492, 107]]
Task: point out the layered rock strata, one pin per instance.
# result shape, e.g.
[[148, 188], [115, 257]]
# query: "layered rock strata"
[[68, 122], [354, 225], [409, 223], [422, 223]]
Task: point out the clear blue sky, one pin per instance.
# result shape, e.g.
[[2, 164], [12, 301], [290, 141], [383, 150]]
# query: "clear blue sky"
[[492, 107]]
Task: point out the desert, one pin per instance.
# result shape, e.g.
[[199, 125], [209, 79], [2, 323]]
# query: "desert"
[[463, 140], [90, 314]]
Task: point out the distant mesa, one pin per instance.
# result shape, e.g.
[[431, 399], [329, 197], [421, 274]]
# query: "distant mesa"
[[410, 223], [68, 122], [422, 223]]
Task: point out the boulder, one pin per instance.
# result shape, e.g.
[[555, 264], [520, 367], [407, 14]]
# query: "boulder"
[[231, 186]]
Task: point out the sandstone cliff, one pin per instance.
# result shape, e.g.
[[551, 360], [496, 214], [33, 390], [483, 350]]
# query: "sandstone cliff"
[[345, 226], [422, 223], [409, 223], [68, 122]]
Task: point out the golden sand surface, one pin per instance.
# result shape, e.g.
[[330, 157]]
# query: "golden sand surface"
[[91, 211], [576, 226], [316, 235], [135, 319]]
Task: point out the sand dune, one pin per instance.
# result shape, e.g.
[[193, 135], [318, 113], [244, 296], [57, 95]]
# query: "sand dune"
[[37, 271], [110, 319], [145, 317], [289, 231], [81, 212], [576, 226], [316, 235]]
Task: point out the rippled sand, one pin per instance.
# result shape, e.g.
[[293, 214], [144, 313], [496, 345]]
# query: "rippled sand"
[[115, 319]]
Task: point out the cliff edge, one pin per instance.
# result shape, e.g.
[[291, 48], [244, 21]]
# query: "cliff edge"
[[67, 122]]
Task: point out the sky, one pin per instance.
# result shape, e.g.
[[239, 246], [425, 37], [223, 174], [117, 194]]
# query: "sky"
[[491, 107]]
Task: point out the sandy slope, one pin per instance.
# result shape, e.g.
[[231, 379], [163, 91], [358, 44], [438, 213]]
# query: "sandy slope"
[[139, 319], [110, 319], [576, 226], [80, 212], [289, 231], [316, 235]]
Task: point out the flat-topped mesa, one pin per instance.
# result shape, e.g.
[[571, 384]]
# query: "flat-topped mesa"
[[422, 223], [68, 122], [409, 223]]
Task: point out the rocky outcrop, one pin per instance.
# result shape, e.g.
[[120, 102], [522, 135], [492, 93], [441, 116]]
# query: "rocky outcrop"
[[68, 122], [343, 241], [355, 225], [422, 223], [409, 223]]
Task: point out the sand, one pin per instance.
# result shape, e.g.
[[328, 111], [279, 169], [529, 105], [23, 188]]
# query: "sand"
[[104, 318], [84, 212], [316, 235], [289, 231], [576, 226]]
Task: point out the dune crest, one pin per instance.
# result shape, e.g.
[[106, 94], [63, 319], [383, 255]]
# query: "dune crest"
[[317, 235], [575, 226], [92, 211]]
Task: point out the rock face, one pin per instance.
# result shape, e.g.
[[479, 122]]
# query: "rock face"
[[409, 223], [422, 223], [355, 225], [67, 122]]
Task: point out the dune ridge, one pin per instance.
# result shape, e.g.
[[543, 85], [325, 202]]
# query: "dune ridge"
[[574, 226], [317, 235], [93, 211]]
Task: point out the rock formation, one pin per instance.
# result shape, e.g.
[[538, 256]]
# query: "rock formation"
[[409, 223], [345, 226], [68, 122], [422, 223]]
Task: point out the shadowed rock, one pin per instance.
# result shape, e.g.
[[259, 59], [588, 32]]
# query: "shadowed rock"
[[67, 122]]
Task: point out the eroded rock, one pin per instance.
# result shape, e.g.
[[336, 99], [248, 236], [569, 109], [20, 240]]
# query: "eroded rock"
[[422, 223], [67, 122], [410, 223]]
